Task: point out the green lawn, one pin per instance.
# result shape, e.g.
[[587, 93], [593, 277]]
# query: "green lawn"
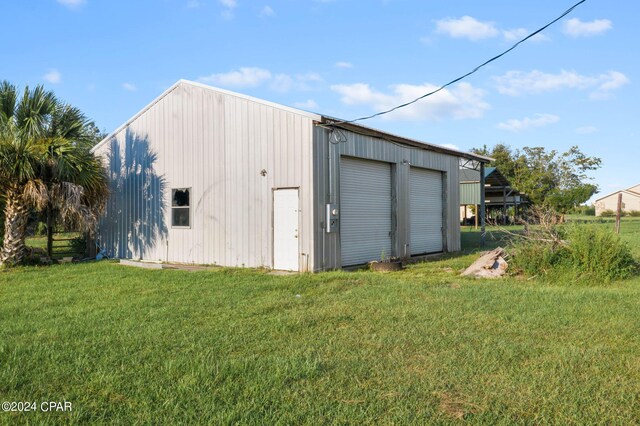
[[126, 345]]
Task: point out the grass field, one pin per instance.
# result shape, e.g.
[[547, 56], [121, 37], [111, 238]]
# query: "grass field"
[[420, 346]]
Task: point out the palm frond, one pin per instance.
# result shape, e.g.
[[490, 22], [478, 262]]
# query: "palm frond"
[[35, 193], [8, 100], [34, 111]]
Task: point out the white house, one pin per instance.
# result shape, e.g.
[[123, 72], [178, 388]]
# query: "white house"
[[630, 201], [203, 175]]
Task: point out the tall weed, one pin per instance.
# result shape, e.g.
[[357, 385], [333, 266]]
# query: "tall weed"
[[584, 254]]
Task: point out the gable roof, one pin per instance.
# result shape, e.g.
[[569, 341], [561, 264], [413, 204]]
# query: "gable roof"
[[491, 175], [624, 191], [634, 188], [356, 128]]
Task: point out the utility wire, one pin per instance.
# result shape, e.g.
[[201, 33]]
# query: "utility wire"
[[568, 11]]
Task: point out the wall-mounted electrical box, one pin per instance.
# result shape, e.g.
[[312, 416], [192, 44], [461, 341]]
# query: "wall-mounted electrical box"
[[332, 218]]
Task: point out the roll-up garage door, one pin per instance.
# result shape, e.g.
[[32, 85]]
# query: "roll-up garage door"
[[425, 211], [365, 210]]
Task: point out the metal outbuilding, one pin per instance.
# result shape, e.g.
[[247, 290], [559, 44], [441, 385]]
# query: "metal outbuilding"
[[204, 175]]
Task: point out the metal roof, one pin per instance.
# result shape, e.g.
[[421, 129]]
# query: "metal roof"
[[322, 119], [491, 175]]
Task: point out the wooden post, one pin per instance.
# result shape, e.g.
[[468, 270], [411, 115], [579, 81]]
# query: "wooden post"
[[618, 213], [476, 216], [504, 205], [50, 226], [482, 206]]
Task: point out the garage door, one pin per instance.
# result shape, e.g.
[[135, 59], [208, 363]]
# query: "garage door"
[[425, 211], [365, 210]]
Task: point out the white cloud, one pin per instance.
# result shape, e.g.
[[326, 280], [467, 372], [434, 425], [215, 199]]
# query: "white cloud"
[[309, 104], [518, 34], [254, 76], [515, 83], [462, 101], [267, 12], [613, 80], [576, 28], [538, 120], [129, 87], [466, 27], [282, 83], [515, 34], [53, 76], [244, 77], [342, 64], [229, 5], [72, 4], [302, 82], [586, 130], [451, 146]]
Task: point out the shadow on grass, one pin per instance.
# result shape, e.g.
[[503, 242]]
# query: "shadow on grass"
[[471, 238]]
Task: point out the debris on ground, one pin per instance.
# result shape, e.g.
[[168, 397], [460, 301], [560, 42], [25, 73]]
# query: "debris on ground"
[[38, 256], [490, 264]]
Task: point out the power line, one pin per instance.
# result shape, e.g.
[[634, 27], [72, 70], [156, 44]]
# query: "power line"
[[568, 11]]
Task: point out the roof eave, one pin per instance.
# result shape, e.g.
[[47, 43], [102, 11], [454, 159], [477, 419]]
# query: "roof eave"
[[357, 128]]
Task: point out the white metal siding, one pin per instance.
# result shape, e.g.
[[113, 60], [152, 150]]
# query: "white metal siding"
[[217, 144], [365, 210], [425, 211]]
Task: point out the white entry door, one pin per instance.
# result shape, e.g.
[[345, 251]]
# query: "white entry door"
[[285, 229]]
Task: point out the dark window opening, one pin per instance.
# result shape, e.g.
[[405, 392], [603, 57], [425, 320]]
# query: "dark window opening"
[[180, 208]]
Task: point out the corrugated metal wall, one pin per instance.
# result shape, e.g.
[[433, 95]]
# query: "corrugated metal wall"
[[327, 184], [217, 144], [469, 193]]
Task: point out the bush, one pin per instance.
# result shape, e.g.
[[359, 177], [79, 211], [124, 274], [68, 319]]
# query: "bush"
[[584, 210], [607, 213], [634, 213], [79, 244], [599, 254], [580, 254], [41, 229]]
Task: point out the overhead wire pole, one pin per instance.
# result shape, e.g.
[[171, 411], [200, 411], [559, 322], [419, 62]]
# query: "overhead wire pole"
[[482, 211]]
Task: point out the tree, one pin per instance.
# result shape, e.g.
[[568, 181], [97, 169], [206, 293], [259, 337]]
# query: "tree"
[[549, 179], [44, 167]]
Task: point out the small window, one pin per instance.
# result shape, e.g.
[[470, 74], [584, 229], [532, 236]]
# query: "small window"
[[180, 208]]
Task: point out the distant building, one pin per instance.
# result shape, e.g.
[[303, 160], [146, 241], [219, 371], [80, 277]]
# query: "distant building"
[[500, 196], [630, 201]]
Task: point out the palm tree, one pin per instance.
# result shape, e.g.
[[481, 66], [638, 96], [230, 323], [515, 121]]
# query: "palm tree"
[[43, 166]]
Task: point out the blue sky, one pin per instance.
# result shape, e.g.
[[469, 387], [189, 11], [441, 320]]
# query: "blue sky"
[[575, 85]]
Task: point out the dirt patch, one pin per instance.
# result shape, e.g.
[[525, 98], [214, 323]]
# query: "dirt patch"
[[455, 406]]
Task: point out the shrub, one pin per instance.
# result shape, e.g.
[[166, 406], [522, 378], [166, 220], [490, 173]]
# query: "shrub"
[[584, 210], [607, 213], [41, 229], [634, 213], [598, 254], [580, 254], [79, 244]]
